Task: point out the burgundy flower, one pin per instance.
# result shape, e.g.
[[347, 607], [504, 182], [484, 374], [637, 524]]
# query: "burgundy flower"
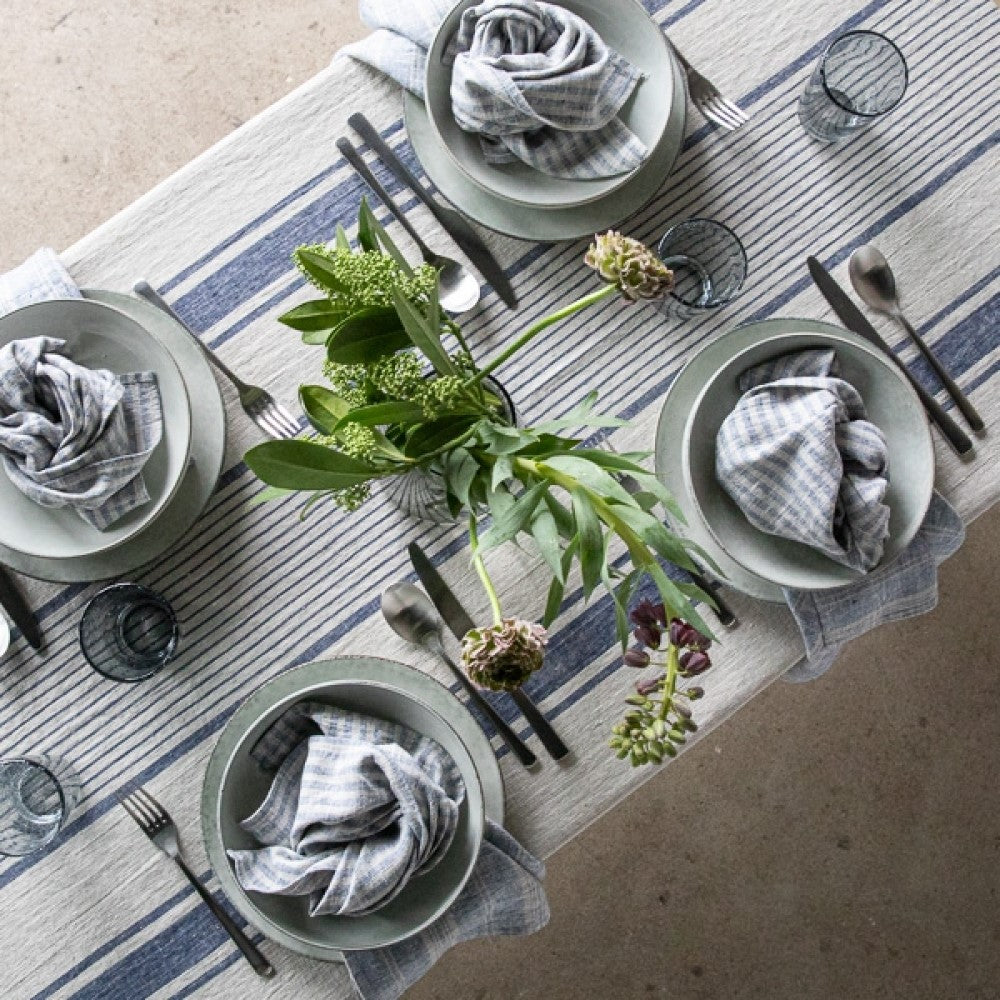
[[637, 658], [694, 662], [685, 636], [647, 685]]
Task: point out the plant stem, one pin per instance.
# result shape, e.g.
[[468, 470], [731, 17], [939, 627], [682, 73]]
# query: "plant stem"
[[477, 561], [670, 682], [542, 324]]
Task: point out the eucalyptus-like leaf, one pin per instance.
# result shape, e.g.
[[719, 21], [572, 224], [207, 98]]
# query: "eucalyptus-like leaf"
[[508, 523], [503, 469], [314, 318], [322, 271], [306, 465], [589, 475], [367, 335], [588, 527], [425, 338], [380, 414], [460, 469], [500, 439], [323, 407], [428, 439]]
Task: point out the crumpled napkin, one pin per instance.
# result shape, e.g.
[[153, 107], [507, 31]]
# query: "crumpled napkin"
[[799, 458], [352, 814], [75, 437]]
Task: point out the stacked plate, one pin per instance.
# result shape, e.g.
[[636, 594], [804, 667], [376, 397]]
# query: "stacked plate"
[[234, 787], [705, 393], [520, 201], [122, 334]]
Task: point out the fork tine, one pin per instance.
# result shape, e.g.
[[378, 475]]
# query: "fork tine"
[[735, 110], [149, 818], [724, 117], [129, 807], [159, 813], [288, 422], [263, 420]]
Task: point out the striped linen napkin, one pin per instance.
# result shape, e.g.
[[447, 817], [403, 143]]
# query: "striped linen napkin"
[[533, 80], [71, 436]]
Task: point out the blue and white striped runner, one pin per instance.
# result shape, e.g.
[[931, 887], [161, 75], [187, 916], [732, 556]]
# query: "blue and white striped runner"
[[102, 916]]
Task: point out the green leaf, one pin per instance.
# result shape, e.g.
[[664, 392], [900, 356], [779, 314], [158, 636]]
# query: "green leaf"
[[367, 335], [380, 414], [581, 415], [546, 535], [425, 338], [592, 476], [508, 523], [562, 517], [306, 465], [322, 271], [314, 316], [323, 407], [376, 231], [591, 536], [502, 440], [367, 225], [460, 469], [675, 599], [553, 602], [503, 470], [548, 444], [651, 484], [429, 438], [268, 494], [612, 460], [653, 532], [342, 242]]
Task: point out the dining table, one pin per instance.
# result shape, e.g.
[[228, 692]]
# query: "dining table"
[[259, 590]]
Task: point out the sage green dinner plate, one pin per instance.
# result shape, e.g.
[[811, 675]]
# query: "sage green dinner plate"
[[891, 405], [548, 225], [98, 336], [378, 687], [208, 446], [627, 29]]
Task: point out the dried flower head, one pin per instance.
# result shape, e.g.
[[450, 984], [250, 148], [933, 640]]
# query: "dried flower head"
[[502, 657], [630, 265]]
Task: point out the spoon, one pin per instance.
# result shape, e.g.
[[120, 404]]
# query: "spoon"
[[459, 287], [410, 614], [873, 280]]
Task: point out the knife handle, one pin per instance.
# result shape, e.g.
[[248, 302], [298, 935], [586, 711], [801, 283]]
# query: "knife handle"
[[957, 438], [554, 746]]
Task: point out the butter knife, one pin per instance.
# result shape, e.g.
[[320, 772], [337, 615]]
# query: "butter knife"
[[20, 614], [460, 622], [454, 224], [852, 317]]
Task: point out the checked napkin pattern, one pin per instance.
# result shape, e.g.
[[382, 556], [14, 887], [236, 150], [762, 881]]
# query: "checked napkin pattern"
[[357, 807], [800, 460]]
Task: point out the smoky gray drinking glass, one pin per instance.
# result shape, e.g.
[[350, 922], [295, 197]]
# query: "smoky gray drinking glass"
[[38, 793], [709, 265], [128, 632], [861, 76]]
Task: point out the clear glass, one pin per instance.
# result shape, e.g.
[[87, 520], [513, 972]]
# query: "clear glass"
[[709, 265], [128, 633], [860, 77], [38, 794]]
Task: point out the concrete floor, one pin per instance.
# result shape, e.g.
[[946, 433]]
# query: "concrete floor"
[[840, 839]]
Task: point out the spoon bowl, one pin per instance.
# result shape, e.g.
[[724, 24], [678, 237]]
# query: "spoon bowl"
[[459, 287]]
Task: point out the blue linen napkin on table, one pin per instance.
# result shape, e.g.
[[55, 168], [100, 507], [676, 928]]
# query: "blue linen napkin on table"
[[799, 458], [535, 82], [71, 436]]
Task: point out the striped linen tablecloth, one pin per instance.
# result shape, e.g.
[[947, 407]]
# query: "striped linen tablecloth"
[[102, 915]]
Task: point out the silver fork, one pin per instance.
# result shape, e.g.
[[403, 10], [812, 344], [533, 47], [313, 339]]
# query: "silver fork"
[[155, 823], [705, 96], [258, 404]]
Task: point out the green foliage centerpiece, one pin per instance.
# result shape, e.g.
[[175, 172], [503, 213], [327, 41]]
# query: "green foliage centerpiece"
[[405, 393]]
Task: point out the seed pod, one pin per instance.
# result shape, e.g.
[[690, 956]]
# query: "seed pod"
[[660, 727]]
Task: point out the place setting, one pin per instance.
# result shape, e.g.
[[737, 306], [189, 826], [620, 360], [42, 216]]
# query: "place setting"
[[356, 809]]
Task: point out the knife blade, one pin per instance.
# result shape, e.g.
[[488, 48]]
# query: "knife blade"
[[460, 622], [454, 224], [852, 317], [21, 615]]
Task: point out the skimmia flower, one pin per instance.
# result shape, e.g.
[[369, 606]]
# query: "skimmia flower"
[[630, 266], [502, 657]]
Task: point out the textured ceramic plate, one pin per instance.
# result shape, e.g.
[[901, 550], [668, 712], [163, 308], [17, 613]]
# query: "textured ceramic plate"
[[892, 406], [98, 336], [627, 29], [429, 707], [555, 224], [208, 447]]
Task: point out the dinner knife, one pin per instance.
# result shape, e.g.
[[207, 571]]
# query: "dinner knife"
[[460, 622], [852, 317], [454, 224], [21, 615]]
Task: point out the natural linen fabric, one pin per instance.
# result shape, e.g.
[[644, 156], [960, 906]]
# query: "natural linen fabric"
[[42, 276], [801, 461], [75, 437], [536, 83], [352, 814], [904, 588], [503, 897]]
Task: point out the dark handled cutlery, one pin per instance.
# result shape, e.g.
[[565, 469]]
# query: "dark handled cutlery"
[[454, 224], [852, 317], [20, 614], [460, 622]]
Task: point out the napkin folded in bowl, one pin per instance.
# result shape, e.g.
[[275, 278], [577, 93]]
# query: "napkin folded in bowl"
[[536, 82], [801, 461], [353, 813], [75, 437]]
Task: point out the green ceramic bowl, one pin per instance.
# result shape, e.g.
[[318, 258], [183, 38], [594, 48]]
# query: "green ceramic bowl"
[[236, 790], [625, 27], [98, 336], [892, 406]]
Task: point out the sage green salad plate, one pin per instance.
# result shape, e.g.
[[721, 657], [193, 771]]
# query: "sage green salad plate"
[[234, 787], [891, 405], [628, 30], [199, 478], [98, 336]]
